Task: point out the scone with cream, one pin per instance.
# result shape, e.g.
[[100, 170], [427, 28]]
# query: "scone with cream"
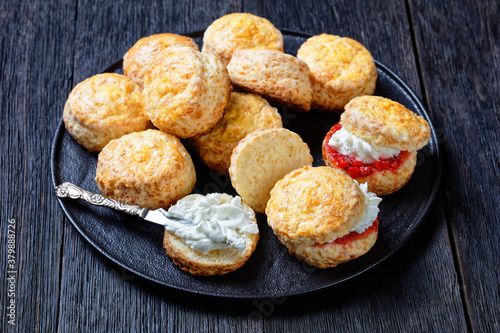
[[151, 169], [280, 77], [340, 69], [139, 59], [323, 216], [186, 91], [240, 31], [245, 113], [376, 142], [220, 236], [102, 108]]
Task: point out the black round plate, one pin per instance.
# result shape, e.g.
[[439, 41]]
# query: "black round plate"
[[271, 271]]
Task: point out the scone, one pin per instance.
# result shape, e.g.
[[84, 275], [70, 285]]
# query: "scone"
[[261, 159], [151, 169], [240, 31], [221, 238], [280, 77], [139, 59], [186, 91], [102, 108], [245, 113], [323, 216], [340, 69], [375, 142]]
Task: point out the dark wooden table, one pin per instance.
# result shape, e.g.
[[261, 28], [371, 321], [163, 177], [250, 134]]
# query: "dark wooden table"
[[445, 279]]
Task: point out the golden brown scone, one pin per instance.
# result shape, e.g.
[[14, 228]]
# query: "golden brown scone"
[[261, 159], [323, 216], [280, 77], [217, 261], [340, 69], [102, 108], [377, 124], [186, 91], [245, 113], [240, 31], [139, 59], [151, 169]]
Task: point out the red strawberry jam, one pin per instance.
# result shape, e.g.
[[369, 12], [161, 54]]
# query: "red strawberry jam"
[[353, 235]]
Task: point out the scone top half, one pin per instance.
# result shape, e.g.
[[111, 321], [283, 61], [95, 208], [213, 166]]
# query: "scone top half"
[[316, 205], [386, 123]]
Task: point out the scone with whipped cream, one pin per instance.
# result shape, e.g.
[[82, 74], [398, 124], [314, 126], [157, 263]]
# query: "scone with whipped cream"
[[376, 142], [323, 216], [220, 236]]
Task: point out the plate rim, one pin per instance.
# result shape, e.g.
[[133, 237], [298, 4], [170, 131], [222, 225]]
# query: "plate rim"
[[388, 254]]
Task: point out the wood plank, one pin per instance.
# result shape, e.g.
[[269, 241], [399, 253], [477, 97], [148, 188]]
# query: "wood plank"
[[34, 81], [417, 289], [459, 56]]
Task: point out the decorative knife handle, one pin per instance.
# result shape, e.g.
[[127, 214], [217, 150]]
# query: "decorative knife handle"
[[68, 190]]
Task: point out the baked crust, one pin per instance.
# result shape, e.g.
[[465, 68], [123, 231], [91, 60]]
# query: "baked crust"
[[186, 91], [240, 31], [215, 262], [278, 76], [245, 113], [261, 159], [383, 122], [151, 169], [138, 60], [102, 108], [340, 69]]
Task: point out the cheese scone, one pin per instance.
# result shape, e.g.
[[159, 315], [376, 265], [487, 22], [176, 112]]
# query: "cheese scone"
[[340, 69], [102, 108], [245, 113], [151, 169], [323, 216], [221, 235], [186, 91], [139, 58], [261, 159], [280, 77], [375, 142], [240, 31]]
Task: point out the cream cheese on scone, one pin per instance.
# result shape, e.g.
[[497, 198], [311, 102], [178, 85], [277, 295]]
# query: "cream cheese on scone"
[[215, 225], [349, 144], [371, 212]]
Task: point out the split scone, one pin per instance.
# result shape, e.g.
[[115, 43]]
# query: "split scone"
[[221, 235], [280, 77], [375, 142], [186, 91], [340, 69], [102, 108], [240, 31], [139, 59], [261, 159], [151, 169], [245, 113], [323, 216]]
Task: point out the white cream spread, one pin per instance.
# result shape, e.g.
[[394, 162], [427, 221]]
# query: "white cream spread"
[[216, 225], [371, 212], [347, 143]]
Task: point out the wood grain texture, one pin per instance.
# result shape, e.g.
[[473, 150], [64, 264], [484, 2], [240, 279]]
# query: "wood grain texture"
[[460, 57]]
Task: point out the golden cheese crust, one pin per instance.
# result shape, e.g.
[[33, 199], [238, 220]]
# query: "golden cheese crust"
[[240, 31], [275, 75], [245, 113], [137, 62], [186, 91], [340, 69], [102, 108], [261, 159], [215, 262], [151, 169], [383, 122], [315, 204]]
